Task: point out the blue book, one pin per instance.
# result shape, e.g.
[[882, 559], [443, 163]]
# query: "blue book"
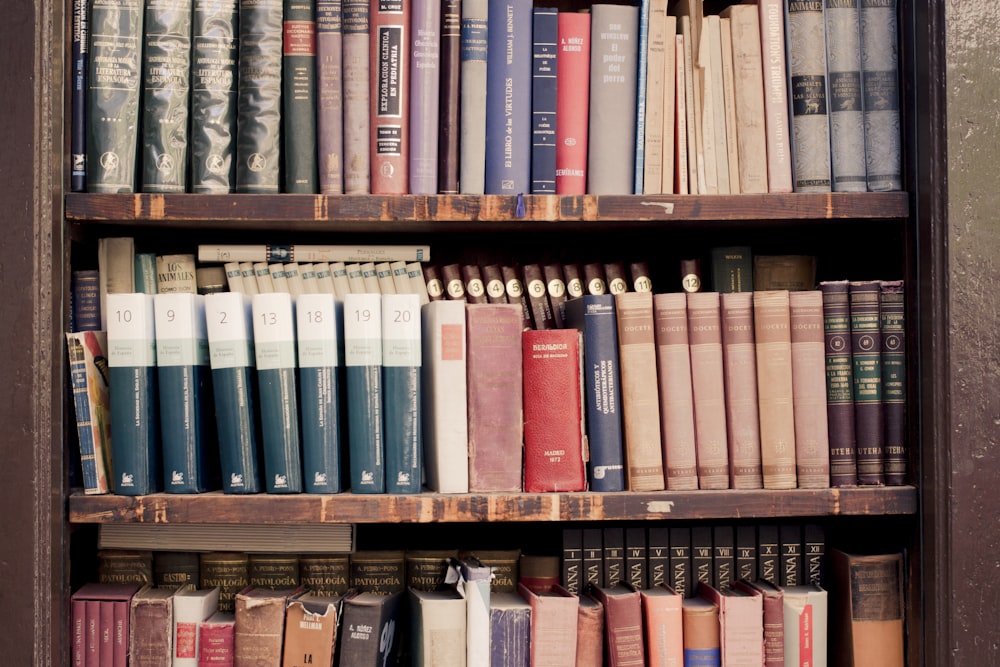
[[274, 348], [89, 380], [510, 630], [640, 112], [401, 362], [363, 359], [184, 385], [234, 386], [594, 315], [508, 98], [317, 328], [545, 37], [135, 443]]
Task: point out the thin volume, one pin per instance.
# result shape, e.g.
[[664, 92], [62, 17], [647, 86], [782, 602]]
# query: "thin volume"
[[866, 346], [330, 96], [893, 316], [298, 97], [449, 101], [357, 97], [472, 107], [544, 92], [425, 94], [839, 383], [80, 57]]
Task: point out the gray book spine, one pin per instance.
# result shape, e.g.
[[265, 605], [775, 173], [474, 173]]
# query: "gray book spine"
[[843, 71], [472, 105], [880, 82], [807, 97]]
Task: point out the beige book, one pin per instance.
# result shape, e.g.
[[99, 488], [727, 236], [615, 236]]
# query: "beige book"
[[708, 385], [772, 329], [729, 103], [681, 174], [655, 81], [713, 43], [705, 79], [262, 272], [771, 20], [176, 273], [669, 119], [690, 109], [812, 442], [740, 363], [673, 364], [249, 278]]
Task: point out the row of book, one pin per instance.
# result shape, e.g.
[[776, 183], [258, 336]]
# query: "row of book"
[[467, 96], [467, 623]]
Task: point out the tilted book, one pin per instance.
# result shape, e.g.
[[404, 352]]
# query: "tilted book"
[[311, 623], [572, 102], [357, 96], [880, 86], [330, 96], [425, 95], [298, 96], [401, 401], [114, 79], [772, 331], [510, 630], [472, 107], [274, 349], [473, 584], [258, 105], [893, 325], [807, 91], [260, 625], [739, 357], [843, 72], [89, 378], [812, 441], [866, 354], [438, 624], [708, 386], [868, 610], [805, 621], [390, 95], [371, 628], [774, 46], [741, 625], [363, 358], [663, 626], [449, 98], [544, 93], [555, 446], [623, 630], [191, 608], [135, 446], [839, 383], [553, 626]]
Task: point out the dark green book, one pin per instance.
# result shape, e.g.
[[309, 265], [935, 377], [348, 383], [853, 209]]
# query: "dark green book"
[[732, 269], [175, 568], [298, 96], [326, 574], [166, 70], [258, 106], [401, 392], [124, 566], [213, 95], [113, 94], [274, 570], [363, 358]]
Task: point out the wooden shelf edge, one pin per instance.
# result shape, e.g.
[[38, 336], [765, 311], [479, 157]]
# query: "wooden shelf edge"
[[237, 210], [217, 507]]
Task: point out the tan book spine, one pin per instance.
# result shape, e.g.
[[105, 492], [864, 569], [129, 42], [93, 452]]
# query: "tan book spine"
[[740, 363], [713, 41], [702, 631], [771, 17], [669, 119], [729, 103], [690, 110], [869, 613], [655, 82], [812, 441], [260, 626], [681, 176], [673, 363], [705, 96], [774, 388], [708, 383]]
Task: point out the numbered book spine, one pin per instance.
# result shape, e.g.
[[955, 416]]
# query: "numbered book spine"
[[472, 107], [330, 90], [807, 92], [89, 379], [880, 83], [183, 375], [298, 96], [545, 39], [114, 77], [317, 329], [274, 347], [134, 413], [843, 72], [234, 385], [401, 362], [363, 359], [390, 96], [357, 117]]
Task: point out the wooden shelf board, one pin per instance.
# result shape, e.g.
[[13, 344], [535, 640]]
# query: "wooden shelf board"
[[217, 507]]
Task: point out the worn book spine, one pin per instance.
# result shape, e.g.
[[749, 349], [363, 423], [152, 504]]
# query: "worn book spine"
[[893, 326], [377, 571], [436, 614], [363, 358], [472, 107], [80, 63], [324, 574], [510, 631], [298, 96], [124, 566], [544, 91], [450, 99], [812, 441], [85, 300], [702, 632], [174, 568], [553, 629], [708, 388], [839, 383], [843, 72], [741, 619], [740, 364], [89, 380], [230, 571], [357, 97], [191, 607], [807, 91], [866, 347], [113, 94], [880, 83], [376, 619], [401, 409], [773, 616], [729, 97], [425, 96], [663, 625], [389, 140], [713, 42], [258, 106], [310, 630], [775, 63], [623, 626], [260, 626], [868, 608], [772, 332], [330, 96], [215, 639], [589, 632], [151, 627], [572, 102]]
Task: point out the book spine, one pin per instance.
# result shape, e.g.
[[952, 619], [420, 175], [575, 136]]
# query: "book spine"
[[701, 556], [740, 365], [85, 301], [658, 556], [357, 97], [571, 560], [623, 627], [655, 81], [713, 41], [472, 106], [80, 62], [534, 287], [298, 96], [450, 99], [723, 557], [729, 95], [113, 93], [750, 99], [708, 389], [880, 83], [389, 74], [812, 441], [773, 47], [767, 553], [613, 557], [89, 381], [258, 106], [746, 553], [732, 269], [893, 326], [425, 96], [330, 88], [572, 102], [870, 611], [866, 346], [544, 87], [508, 98], [642, 65], [772, 331], [807, 91], [401, 362], [843, 71], [791, 563], [839, 383], [363, 358]]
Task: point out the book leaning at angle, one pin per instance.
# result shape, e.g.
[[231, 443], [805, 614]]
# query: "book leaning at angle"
[[88, 367]]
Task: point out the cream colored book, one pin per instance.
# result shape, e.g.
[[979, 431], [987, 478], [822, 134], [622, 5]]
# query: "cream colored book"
[[682, 184], [729, 104], [668, 186], [655, 82], [713, 43]]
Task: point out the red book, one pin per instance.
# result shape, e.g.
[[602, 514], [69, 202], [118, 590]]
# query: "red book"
[[590, 633], [215, 640], [664, 626], [78, 648], [390, 71], [572, 103], [553, 626], [119, 639], [554, 439], [493, 348], [98, 627], [622, 625]]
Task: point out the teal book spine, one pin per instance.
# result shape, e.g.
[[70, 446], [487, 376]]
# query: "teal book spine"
[[317, 322], [298, 96], [401, 362], [274, 347], [184, 390], [135, 443], [234, 385], [363, 359]]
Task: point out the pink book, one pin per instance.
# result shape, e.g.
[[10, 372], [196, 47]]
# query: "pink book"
[[590, 633], [553, 626], [774, 619], [708, 383], [774, 388], [572, 102], [740, 364], [424, 96], [664, 626], [772, 51], [215, 640], [741, 624], [357, 97], [812, 440]]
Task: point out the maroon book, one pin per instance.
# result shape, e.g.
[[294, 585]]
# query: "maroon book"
[[449, 98], [215, 640], [622, 624], [390, 85]]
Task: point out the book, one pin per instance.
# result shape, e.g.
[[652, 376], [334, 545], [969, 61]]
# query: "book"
[[116, 270], [379, 571], [538, 297], [450, 99], [688, 25], [324, 574], [593, 558], [776, 65], [746, 553], [739, 358], [94, 606], [680, 575], [839, 382], [503, 563], [135, 445], [807, 92], [89, 379], [401, 400], [880, 87], [613, 556], [510, 630], [791, 563], [732, 269], [363, 359], [260, 625], [299, 96], [514, 286], [768, 548], [508, 98], [175, 273], [593, 278], [227, 570], [572, 102], [729, 102], [772, 333], [812, 443], [330, 96], [124, 566], [805, 625], [892, 314], [657, 555], [79, 64], [702, 632], [614, 273], [640, 277], [571, 560], [773, 618], [741, 624], [434, 283], [150, 627], [868, 614], [493, 285], [451, 279], [640, 403], [842, 21], [191, 607], [708, 388], [553, 626], [438, 624], [272, 253], [472, 105], [311, 622], [494, 385], [673, 364], [427, 569], [702, 562], [216, 638], [472, 281], [273, 570], [713, 43], [318, 328], [555, 443], [174, 568], [357, 96], [723, 557], [623, 627], [474, 585], [85, 300], [681, 156], [709, 72], [371, 628], [390, 72], [210, 279], [589, 632], [813, 554], [113, 95], [184, 390], [784, 272], [258, 103], [614, 63], [595, 316], [866, 355], [539, 572], [655, 99], [663, 625], [166, 81], [544, 95], [642, 58], [274, 350], [425, 96]]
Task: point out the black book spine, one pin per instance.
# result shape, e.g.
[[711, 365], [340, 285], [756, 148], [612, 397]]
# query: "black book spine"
[[723, 557], [572, 559], [593, 558], [79, 46], [893, 317], [767, 553], [449, 98], [814, 553], [298, 96], [680, 578], [635, 557], [258, 107], [658, 556], [614, 555], [746, 553], [792, 564]]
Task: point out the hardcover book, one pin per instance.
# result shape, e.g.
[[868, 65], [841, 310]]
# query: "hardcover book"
[[378, 571], [613, 557], [768, 548], [708, 385], [723, 557], [401, 409], [510, 630], [868, 609], [813, 554], [790, 559], [702, 553], [807, 91], [538, 297], [839, 383], [90, 628], [572, 102], [572, 560], [173, 568], [805, 626], [746, 553], [642, 59], [741, 621], [390, 96], [623, 630], [330, 96], [775, 64], [216, 638], [740, 364], [774, 619], [544, 93], [324, 574], [538, 572], [450, 99], [474, 586], [655, 99], [680, 576], [658, 555], [150, 627], [772, 331], [893, 329], [124, 566], [843, 71], [732, 269], [260, 625], [880, 87], [88, 368], [273, 570], [663, 625], [191, 608], [371, 628], [311, 622], [427, 569], [298, 96], [472, 107], [80, 64], [812, 442], [438, 624], [553, 626], [702, 632], [589, 632], [85, 300], [227, 570], [363, 358], [866, 347], [593, 558], [425, 95], [357, 97]]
